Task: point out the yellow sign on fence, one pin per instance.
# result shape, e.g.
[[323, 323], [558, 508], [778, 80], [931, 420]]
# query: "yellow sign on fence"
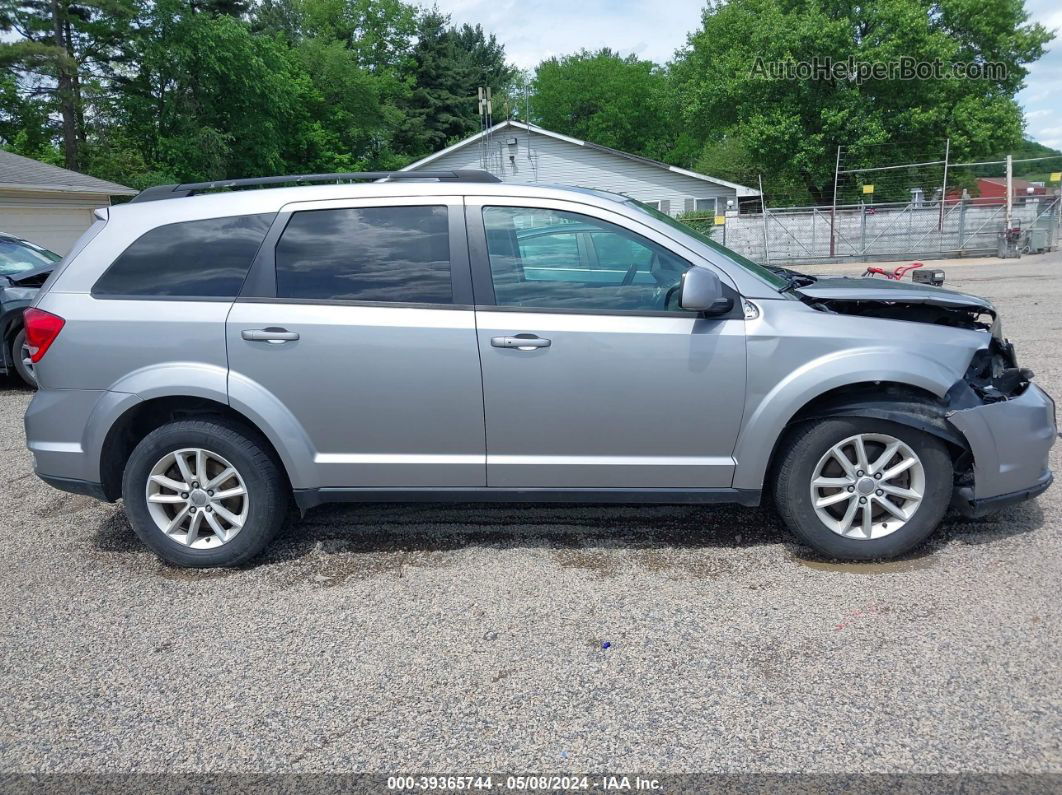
[[720, 220], [1056, 176], [868, 189]]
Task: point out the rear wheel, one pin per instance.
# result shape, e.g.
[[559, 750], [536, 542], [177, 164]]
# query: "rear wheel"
[[204, 493], [20, 356], [859, 489]]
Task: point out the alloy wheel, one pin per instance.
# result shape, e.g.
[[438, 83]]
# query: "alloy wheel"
[[197, 498], [867, 486], [27, 360]]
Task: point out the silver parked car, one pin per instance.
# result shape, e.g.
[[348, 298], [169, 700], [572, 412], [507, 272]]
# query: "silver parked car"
[[209, 356]]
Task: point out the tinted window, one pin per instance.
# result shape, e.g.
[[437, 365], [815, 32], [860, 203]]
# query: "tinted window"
[[393, 254], [625, 271], [194, 259]]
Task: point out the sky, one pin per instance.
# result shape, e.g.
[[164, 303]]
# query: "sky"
[[533, 30]]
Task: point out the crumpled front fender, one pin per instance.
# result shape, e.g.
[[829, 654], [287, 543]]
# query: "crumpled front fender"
[[1010, 441]]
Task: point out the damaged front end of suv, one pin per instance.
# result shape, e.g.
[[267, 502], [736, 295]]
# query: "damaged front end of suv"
[[1005, 423]]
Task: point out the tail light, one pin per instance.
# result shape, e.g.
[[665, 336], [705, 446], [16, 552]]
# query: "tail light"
[[41, 330]]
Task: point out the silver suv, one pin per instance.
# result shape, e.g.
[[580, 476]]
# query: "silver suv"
[[210, 356]]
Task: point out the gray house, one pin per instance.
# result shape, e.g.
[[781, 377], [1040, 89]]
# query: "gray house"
[[49, 205], [519, 152]]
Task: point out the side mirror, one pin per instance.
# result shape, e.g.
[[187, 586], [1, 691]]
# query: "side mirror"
[[702, 291]]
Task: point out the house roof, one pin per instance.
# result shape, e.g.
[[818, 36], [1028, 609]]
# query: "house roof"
[[1017, 182], [741, 190], [23, 173]]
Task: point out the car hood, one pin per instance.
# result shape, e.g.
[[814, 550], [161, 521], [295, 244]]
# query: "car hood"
[[31, 278], [894, 292]]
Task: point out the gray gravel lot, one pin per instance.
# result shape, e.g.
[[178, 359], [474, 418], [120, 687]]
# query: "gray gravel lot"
[[399, 638]]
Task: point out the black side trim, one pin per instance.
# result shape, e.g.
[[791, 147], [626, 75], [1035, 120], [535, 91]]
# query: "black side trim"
[[310, 498], [88, 488], [899, 411], [972, 508]]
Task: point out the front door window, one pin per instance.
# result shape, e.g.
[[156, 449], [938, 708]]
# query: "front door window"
[[552, 259]]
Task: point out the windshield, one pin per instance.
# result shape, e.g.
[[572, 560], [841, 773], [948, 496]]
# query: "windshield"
[[771, 277], [19, 256]]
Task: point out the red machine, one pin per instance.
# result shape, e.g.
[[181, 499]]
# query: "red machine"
[[933, 277]]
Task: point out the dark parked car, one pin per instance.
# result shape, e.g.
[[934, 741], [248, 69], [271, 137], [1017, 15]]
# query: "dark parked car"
[[23, 268]]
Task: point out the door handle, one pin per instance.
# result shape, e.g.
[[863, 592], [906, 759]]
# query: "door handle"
[[522, 342], [274, 335]]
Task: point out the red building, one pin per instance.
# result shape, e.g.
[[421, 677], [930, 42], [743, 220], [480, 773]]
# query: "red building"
[[993, 191]]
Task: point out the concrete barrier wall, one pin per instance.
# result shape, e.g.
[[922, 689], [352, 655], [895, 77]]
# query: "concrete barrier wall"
[[891, 232]]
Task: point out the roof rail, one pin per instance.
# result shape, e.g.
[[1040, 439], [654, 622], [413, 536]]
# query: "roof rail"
[[191, 188]]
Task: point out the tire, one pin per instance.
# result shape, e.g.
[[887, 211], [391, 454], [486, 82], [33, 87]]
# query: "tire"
[[261, 509], [17, 356], [806, 456]]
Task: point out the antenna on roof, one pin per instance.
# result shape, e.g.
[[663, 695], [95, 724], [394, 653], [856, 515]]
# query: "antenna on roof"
[[482, 129], [486, 125], [527, 121]]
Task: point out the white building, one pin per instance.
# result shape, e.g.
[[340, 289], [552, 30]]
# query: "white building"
[[518, 152], [48, 205]]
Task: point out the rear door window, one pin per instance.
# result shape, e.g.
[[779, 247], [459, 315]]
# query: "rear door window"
[[191, 259], [395, 254]]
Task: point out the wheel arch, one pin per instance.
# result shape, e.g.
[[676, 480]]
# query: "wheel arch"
[[142, 417], [913, 396]]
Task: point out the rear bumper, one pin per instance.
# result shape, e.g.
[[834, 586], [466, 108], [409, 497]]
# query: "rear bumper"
[[1010, 442], [66, 430], [86, 487]]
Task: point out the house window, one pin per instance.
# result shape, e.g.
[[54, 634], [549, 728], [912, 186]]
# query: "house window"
[[706, 205]]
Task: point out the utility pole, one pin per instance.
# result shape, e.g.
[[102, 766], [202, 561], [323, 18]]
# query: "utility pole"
[[833, 210], [943, 193], [763, 211], [1008, 207]]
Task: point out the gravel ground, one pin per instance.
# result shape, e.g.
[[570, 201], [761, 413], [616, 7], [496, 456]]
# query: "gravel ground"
[[399, 638]]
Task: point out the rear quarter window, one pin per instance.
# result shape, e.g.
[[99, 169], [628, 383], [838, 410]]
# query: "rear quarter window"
[[191, 259]]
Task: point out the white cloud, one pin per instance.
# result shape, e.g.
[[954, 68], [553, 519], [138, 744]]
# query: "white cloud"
[[533, 31]]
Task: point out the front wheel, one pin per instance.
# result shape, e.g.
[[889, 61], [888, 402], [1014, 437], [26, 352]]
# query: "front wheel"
[[204, 493], [859, 489]]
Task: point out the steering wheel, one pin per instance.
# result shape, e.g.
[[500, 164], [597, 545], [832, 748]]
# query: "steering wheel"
[[669, 295]]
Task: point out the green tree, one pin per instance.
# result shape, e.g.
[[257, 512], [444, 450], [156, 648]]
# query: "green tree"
[[346, 114], [447, 67], [791, 128], [25, 124], [624, 103], [204, 98], [379, 32], [442, 105], [485, 57], [58, 55]]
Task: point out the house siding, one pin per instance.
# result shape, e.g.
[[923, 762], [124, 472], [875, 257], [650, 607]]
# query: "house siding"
[[53, 220], [560, 162]]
